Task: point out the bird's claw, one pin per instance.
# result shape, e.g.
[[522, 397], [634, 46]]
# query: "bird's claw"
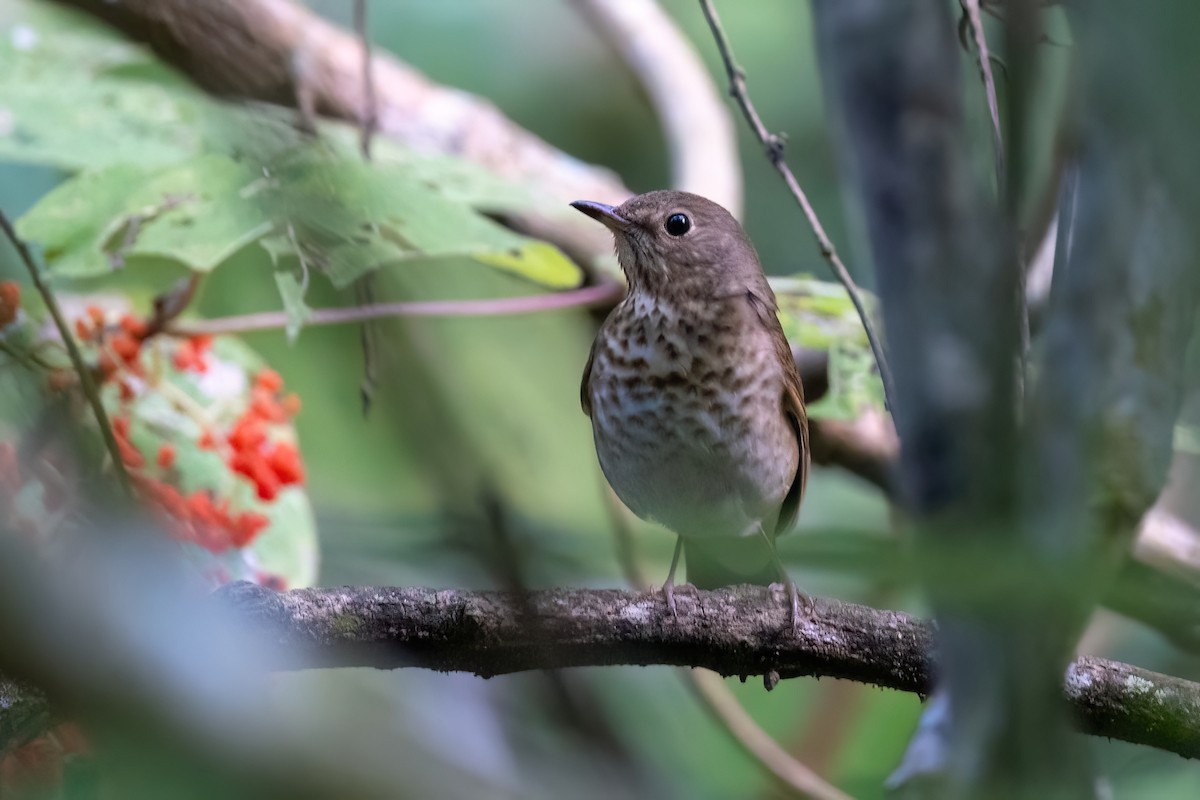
[[669, 592], [801, 605]]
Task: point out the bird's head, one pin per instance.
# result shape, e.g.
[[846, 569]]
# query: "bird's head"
[[680, 243]]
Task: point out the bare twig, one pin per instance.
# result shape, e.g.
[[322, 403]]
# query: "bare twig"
[[85, 375], [758, 743], [369, 115], [272, 320], [774, 146], [971, 9], [696, 123]]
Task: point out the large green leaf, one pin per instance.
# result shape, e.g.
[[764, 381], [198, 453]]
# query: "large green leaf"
[[171, 174], [350, 218], [363, 216], [196, 213]]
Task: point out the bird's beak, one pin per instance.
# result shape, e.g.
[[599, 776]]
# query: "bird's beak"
[[602, 213]]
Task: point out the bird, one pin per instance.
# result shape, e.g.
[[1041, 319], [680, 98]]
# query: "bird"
[[696, 404]]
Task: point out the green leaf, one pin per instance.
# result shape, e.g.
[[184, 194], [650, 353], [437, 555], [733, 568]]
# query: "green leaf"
[[196, 213], [173, 175], [292, 293], [74, 222], [289, 546], [360, 217], [201, 213], [820, 315]]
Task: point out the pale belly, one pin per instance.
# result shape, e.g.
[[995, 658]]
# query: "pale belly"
[[703, 464]]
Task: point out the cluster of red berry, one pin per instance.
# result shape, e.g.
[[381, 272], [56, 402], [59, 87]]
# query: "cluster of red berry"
[[246, 447], [268, 464]]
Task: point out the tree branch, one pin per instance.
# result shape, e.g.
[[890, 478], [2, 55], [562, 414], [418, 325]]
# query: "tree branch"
[[735, 631]]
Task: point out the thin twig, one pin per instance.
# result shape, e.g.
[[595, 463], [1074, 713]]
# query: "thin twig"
[[501, 306], [85, 375], [758, 743], [774, 146], [369, 115], [971, 7]]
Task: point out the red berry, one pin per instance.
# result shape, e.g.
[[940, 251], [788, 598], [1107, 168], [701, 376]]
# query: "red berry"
[[285, 462], [247, 435], [248, 526], [268, 380], [126, 347], [60, 379], [166, 456], [130, 454], [291, 404], [107, 366], [133, 326], [265, 481], [10, 301]]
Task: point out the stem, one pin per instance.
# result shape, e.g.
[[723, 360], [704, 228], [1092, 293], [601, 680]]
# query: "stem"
[[85, 375], [271, 320]]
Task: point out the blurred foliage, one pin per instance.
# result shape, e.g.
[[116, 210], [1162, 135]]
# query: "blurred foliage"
[[96, 135]]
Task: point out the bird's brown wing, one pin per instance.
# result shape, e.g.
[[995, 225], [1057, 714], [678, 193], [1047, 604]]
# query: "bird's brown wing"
[[764, 307], [585, 397]]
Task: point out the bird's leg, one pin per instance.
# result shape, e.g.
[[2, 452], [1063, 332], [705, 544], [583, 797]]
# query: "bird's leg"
[[796, 596], [669, 587]]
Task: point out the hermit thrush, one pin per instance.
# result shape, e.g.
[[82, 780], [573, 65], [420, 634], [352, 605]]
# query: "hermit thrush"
[[697, 407]]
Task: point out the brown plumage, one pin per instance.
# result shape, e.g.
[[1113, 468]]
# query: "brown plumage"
[[696, 405]]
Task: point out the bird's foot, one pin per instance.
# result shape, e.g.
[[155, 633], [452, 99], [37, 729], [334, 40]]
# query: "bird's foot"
[[801, 604], [668, 589]]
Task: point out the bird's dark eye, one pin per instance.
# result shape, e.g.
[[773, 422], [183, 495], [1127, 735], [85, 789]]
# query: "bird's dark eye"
[[678, 224]]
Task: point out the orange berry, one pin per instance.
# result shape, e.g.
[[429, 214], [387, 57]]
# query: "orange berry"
[[275, 583], [286, 464], [265, 481], [133, 326], [290, 404], [247, 434], [107, 366], [129, 454], [207, 441], [201, 506], [126, 347], [166, 456], [247, 526], [264, 406], [60, 380], [10, 471], [120, 426], [268, 380], [82, 329], [10, 301]]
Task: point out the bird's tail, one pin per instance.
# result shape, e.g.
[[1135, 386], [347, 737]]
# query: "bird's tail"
[[712, 563]]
